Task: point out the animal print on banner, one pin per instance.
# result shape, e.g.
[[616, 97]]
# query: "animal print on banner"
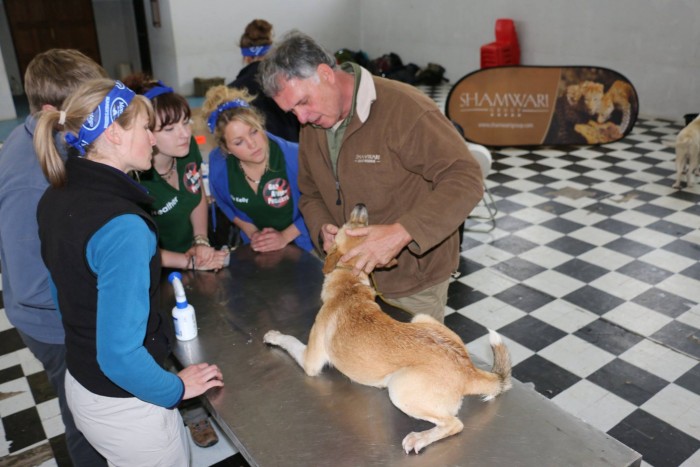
[[528, 105]]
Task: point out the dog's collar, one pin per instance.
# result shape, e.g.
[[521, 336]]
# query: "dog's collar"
[[362, 276]]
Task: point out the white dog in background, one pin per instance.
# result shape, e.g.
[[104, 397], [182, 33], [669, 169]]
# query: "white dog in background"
[[688, 153]]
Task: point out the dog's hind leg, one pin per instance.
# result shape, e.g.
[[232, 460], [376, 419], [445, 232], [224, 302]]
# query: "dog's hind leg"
[[416, 394], [680, 165], [315, 355], [693, 164]]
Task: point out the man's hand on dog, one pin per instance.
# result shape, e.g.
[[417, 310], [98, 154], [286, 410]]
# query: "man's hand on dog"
[[383, 244], [328, 232]]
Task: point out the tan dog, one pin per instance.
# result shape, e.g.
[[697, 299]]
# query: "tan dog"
[[424, 365], [688, 153]]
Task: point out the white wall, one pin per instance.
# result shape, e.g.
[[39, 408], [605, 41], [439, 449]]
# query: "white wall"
[[11, 68], [653, 43], [116, 35], [207, 33], [7, 107], [163, 45]]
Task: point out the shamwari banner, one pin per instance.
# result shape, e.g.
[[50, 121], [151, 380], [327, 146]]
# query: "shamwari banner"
[[526, 105]]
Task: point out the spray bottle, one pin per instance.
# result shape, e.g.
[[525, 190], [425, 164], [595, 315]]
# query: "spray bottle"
[[183, 313]]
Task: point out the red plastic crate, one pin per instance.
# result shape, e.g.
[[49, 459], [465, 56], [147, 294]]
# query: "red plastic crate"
[[498, 54], [505, 50]]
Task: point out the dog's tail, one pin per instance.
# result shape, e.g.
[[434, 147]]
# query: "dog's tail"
[[498, 380]]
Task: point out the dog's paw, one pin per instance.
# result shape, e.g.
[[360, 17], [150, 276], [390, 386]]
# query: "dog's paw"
[[272, 337], [414, 441], [677, 185]]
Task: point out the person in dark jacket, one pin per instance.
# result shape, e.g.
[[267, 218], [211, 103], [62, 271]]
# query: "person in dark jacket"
[[101, 249], [255, 42]]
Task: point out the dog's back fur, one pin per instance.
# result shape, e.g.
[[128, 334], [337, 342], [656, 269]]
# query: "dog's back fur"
[[688, 153], [423, 364]]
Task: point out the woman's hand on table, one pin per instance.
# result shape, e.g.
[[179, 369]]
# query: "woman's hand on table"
[[210, 258], [268, 239], [203, 253], [199, 378]]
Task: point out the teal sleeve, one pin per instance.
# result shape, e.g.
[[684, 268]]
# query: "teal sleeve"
[[119, 254]]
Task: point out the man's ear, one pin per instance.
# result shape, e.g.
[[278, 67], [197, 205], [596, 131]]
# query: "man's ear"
[[326, 73]]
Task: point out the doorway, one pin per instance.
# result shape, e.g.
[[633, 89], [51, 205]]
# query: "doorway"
[[39, 25]]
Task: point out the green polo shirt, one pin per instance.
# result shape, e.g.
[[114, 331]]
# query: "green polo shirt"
[[172, 208], [272, 205]]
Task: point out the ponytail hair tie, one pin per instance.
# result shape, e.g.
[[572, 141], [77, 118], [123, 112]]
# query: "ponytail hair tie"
[[62, 117]]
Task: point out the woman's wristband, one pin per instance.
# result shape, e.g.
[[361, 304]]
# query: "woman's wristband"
[[200, 240]]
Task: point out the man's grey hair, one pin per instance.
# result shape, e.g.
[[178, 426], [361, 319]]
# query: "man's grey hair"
[[295, 56]]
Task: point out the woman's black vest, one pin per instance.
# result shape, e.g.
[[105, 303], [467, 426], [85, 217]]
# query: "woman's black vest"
[[68, 217]]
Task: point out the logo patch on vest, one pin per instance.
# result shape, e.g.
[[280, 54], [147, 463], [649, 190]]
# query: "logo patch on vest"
[[368, 158], [277, 193], [192, 178]]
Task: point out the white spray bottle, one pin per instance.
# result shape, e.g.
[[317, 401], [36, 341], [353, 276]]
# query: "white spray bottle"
[[183, 313]]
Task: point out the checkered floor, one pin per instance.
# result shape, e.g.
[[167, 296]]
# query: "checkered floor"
[[591, 274]]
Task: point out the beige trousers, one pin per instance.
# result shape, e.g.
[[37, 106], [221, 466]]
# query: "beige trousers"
[[431, 301], [129, 432]]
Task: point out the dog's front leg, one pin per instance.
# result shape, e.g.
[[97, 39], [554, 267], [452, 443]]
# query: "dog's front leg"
[[311, 358], [289, 343]]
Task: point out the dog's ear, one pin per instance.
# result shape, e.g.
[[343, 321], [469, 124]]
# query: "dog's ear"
[[331, 260]]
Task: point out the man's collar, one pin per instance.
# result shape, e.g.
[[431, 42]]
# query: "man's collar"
[[366, 93]]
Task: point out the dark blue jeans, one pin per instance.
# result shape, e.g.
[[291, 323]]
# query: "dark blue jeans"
[[53, 357]]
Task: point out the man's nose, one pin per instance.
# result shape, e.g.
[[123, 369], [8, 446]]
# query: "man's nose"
[[302, 116]]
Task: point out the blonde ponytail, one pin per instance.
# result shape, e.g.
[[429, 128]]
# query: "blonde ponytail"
[[45, 147]]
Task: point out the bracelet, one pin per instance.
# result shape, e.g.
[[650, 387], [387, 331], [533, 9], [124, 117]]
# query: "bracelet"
[[200, 240]]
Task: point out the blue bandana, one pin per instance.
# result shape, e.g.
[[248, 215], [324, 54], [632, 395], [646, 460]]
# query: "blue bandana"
[[111, 107], [157, 90], [255, 51], [211, 121]]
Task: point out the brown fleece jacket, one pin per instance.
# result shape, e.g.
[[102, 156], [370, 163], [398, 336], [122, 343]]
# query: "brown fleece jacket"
[[407, 164]]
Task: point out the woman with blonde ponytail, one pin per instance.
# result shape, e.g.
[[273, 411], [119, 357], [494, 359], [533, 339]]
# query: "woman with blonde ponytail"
[[100, 247]]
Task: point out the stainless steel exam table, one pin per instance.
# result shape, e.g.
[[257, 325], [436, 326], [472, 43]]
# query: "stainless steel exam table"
[[277, 416]]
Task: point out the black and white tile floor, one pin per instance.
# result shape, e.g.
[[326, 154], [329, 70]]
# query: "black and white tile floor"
[[592, 275]]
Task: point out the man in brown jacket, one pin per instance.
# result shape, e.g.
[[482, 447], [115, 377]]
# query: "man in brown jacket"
[[383, 143]]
